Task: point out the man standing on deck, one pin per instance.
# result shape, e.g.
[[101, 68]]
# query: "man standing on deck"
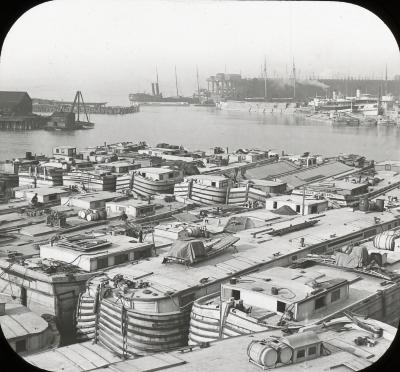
[[34, 200]]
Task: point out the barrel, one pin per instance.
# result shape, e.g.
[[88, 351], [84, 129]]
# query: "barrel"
[[385, 240], [262, 353], [380, 204], [93, 216], [285, 354], [364, 204], [82, 214], [194, 231]]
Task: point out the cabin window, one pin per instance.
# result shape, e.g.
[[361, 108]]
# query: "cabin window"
[[171, 175], [161, 177], [312, 350], [275, 205], [280, 306], [236, 294], [294, 258], [301, 353], [388, 167], [57, 150], [121, 258], [298, 208], [53, 197], [319, 302], [102, 262], [213, 183], [314, 209], [20, 346], [335, 295]]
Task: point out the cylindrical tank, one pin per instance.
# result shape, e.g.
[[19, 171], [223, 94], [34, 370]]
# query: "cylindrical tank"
[[93, 216], [380, 204], [385, 240], [194, 231], [285, 354], [262, 353], [364, 204]]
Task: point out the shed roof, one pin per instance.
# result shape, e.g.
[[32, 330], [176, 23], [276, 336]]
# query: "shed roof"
[[10, 99], [270, 169], [19, 321]]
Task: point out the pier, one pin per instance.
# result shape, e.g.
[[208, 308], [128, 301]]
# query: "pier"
[[99, 108]]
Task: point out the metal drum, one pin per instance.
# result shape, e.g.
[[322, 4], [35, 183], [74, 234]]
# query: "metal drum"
[[285, 354], [364, 204], [380, 204], [385, 240], [262, 353]]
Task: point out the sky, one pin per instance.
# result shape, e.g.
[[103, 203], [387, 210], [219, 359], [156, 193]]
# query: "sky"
[[110, 48]]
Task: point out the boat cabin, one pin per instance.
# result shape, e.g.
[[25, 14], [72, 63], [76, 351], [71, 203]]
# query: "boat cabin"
[[220, 182], [93, 200], [160, 174], [295, 293], [62, 152], [295, 202], [44, 194], [133, 208], [95, 252], [25, 331]]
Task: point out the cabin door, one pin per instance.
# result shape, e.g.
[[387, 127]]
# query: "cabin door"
[[66, 305]]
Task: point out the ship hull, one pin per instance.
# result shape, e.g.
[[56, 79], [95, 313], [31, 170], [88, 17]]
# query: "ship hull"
[[146, 187]]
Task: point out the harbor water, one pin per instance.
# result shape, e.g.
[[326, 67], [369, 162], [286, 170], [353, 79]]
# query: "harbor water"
[[206, 127]]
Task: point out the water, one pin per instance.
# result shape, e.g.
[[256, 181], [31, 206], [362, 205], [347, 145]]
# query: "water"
[[205, 127]]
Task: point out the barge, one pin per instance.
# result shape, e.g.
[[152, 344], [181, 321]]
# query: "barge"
[[144, 308]]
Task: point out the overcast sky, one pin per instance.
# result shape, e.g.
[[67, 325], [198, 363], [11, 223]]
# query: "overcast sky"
[[109, 48]]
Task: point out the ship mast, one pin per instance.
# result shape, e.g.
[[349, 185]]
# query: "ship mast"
[[294, 81], [265, 78], [386, 81], [176, 83], [198, 86]]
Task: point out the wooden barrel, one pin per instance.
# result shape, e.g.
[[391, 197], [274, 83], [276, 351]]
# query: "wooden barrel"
[[385, 240], [262, 353], [364, 204], [93, 216], [285, 353], [82, 213]]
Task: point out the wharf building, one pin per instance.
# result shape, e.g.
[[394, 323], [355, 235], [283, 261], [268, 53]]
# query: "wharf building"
[[233, 86], [16, 112]]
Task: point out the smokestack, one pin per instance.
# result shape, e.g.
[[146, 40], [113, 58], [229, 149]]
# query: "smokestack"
[[152, 89], [358, 93], [157, 90]]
